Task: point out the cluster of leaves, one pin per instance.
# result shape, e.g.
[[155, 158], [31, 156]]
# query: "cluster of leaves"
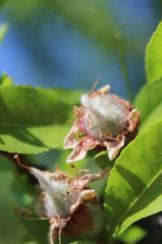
[[35, 120], [134, 186]]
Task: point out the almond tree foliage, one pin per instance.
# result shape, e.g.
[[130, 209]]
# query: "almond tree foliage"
[[124, 144]]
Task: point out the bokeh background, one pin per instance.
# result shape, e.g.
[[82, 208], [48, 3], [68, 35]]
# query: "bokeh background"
[[58, 43]]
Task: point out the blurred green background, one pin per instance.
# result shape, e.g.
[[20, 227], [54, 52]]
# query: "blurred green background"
[[58, 43]]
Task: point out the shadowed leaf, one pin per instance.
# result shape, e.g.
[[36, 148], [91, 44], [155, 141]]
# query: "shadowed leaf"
[[34, 120], [134, 188]]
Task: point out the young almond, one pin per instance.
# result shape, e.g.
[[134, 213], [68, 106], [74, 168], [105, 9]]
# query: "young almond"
[[104, 120], [64, 199]]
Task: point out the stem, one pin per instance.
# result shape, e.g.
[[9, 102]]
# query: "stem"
[[123, 64], [23, 170]]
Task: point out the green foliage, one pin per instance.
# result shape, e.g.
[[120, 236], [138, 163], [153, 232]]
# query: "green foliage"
[[3, 30], [149, 98], [101, 159], [5, 80], [2, 3], [134, 187], [132, 235], [154, 117], [38, 229], [34, 120], [10, 227], [154, 56]]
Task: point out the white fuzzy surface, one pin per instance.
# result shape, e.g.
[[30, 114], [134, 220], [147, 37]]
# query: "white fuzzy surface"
[[106, 114]]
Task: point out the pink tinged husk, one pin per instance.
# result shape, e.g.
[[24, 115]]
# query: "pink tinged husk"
[[103, 119], [113, 147], [81, 148], [62, 196], [133, 120], [71, 140]]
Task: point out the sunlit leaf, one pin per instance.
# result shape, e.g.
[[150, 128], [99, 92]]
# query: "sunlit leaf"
[[154, 117], [5, 80], [134, 188], [34, 120], [154, 56], [149, 98], [3, 30], [133, 234]]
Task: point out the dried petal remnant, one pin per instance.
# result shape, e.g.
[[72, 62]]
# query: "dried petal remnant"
[[103, 119]]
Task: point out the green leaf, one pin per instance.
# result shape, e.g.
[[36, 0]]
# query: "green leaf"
[[134, 188], [6, 80], [132, 235], [101, 159], [11, 230], [34, 120], [3, 30], [154, 117], [149, 98], [37, 228], [153, 58], [5, 164]]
